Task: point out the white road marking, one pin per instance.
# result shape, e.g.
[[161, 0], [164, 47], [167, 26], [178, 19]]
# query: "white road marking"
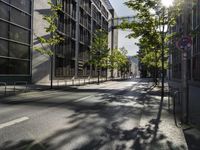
[[84, 98], [13, 122]]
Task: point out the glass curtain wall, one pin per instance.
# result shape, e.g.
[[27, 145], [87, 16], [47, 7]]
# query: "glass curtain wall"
[[15, 37], [84, 38], [92, 16], [65, 52]]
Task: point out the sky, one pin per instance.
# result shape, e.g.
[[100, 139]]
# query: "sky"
[[122, 10]]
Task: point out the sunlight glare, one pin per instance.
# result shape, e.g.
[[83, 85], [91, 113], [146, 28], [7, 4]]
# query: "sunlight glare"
[[167, 3]]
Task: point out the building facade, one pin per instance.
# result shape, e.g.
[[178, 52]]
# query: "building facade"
[[15, 40], [190, 24], [133, 66], [77, 22]]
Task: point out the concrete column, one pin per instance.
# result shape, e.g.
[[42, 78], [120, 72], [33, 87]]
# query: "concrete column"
[[112, 38], [77, 38], [91, 34]]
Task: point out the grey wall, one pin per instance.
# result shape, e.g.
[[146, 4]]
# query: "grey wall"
[[40, 63], [194, 104], [194, 100]]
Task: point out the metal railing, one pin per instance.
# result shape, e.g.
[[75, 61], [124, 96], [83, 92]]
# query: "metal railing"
[[20, 83], [175, 98], [5, 87], [80, 81]]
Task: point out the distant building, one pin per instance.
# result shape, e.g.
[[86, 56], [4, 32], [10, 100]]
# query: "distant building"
[[134, 66]]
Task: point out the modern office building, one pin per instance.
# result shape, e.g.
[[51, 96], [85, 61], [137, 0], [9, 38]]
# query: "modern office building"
[[191, 23], [78, 22], [15, 40], [22, 22]]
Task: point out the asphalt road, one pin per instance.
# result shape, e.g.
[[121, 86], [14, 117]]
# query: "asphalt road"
[[103, 117]]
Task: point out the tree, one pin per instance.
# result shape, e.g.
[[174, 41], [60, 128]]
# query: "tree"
[[99, 50], [118, 60], [48, 44], [151, 25]]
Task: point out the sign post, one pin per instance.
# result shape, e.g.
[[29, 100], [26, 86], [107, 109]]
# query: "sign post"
[[184, 44]]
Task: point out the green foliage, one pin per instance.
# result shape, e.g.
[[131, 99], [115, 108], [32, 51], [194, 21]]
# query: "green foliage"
[[152, 23], [99, 49], [55, 38], [118, 59]]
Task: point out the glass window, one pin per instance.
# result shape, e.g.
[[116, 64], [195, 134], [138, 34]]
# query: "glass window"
[[4, 11], [15, 51], [19, 34], [24, 18], [18, 66], [18, 50], [4, 29], [3, 66], [3, 48], [24, 5]]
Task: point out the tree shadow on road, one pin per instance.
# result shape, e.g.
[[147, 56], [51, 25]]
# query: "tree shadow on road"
[[110, 124]]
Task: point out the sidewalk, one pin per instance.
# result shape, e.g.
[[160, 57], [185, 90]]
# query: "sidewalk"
[[10, 90], [158, 131]]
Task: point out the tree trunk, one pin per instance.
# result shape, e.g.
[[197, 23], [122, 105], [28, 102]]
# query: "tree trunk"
[[98, 75], [51, 75]]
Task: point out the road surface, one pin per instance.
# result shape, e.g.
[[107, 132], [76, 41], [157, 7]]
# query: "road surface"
[[90, 117]]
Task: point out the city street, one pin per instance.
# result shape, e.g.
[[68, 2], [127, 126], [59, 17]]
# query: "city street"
[[99, 75], [106, 116]]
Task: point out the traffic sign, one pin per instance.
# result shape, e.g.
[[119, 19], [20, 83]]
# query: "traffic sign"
[[184, 42]]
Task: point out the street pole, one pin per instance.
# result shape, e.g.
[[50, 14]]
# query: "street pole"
[[185, 101], [184, 86]]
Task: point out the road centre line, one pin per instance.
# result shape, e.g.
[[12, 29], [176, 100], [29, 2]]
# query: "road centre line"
[[13, 122], [84, 98]]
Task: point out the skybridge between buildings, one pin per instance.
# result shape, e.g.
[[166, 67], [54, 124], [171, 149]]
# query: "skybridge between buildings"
[[115, 22]]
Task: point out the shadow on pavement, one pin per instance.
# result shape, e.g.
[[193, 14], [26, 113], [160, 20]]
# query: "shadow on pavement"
[[111, 124], [192, 136]]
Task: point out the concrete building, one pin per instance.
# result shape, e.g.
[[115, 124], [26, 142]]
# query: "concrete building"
[[134, 66], [112, 35], [186, 24], [77, 23]]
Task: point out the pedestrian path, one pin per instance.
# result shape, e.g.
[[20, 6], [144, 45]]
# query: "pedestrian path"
[[157, 127], [23, 87]]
